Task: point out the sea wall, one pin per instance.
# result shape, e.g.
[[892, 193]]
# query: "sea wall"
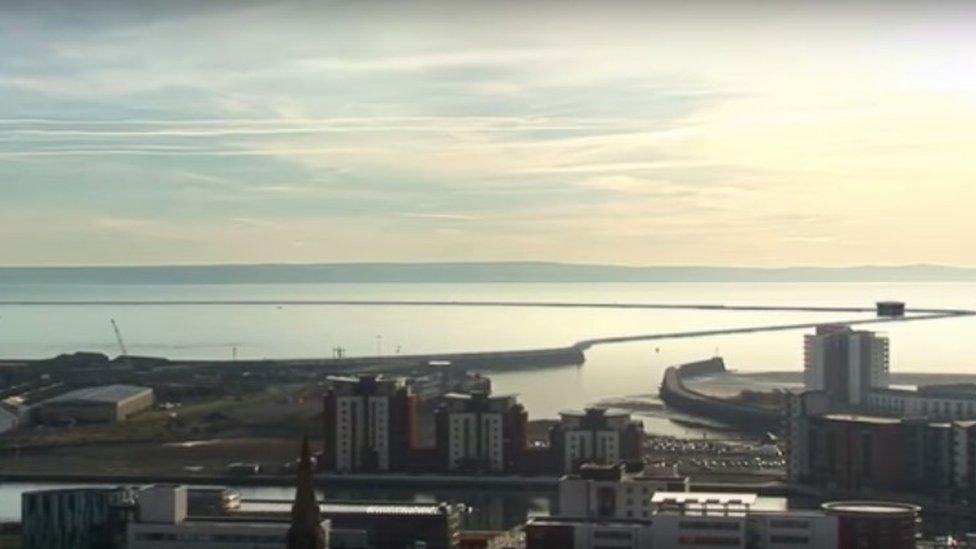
[[676, 395]]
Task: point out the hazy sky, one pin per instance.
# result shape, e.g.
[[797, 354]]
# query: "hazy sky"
[[718, 133]]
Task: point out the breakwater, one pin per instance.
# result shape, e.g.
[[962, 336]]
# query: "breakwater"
[[488, 361], [675, 394], [93, 368]]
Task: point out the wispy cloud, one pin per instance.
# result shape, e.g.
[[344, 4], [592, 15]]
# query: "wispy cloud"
[[438, 216], [637, 133]]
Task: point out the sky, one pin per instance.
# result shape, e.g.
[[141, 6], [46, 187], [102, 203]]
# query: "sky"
[[707, 133]]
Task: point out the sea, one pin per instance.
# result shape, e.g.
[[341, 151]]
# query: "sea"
[[611, 373], [615, 371]]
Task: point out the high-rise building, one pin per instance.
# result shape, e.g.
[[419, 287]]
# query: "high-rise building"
[[595, 435], [845, 363], [964, 455], [481, 433], [370, 424], [858, 451], [854, 452]]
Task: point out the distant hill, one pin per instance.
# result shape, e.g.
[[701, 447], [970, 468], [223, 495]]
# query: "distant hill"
[[467, 272]]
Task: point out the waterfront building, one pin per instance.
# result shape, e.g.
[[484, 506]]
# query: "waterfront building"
[[612, 492], [858, 451], [694, 520], [926, 456], [937, 402], [163, 522], [964, 455], [376, 525], [595, 435], [874, 524], [571, 533], [845, 363], [166, 519], [445, 377], [103, 404], [476, 432], [851, 368], [854, 452], [74, 517], [369, 424]]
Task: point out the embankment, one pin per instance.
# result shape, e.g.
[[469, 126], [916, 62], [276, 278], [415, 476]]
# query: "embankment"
[[676, 395], [490, 360]]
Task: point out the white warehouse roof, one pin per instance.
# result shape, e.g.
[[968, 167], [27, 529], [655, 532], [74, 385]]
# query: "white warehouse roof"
[[104, 394]]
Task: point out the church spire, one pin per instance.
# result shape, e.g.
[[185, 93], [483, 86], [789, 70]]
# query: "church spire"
[[306, 523]]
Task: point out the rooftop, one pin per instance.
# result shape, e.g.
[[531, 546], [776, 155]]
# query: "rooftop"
[[608, 412], [859, 418], [474, 395], [707, 498], [871, 507], [102, 394], [339, 508]]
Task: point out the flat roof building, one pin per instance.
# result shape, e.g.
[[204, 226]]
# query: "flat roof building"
[[163, 523], [891, 308], [874, 524], [102, 404], [696, 520], [74, 517], [386, 525], [611, 492]]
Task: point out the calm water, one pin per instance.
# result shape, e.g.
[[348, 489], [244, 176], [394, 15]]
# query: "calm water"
[[610, 371]]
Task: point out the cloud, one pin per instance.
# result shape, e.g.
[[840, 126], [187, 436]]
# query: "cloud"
[[439, 216], [641, 133]]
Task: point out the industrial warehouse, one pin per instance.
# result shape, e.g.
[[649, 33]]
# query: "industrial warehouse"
[[104, 404]]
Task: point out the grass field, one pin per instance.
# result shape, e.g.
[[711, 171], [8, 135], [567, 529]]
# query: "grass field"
[[199, 437]]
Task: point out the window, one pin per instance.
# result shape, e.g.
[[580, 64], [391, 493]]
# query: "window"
[[867, 451], [707, 525], [831, 451], [789, 539], [789, 523], [709, 540], [612, 534]]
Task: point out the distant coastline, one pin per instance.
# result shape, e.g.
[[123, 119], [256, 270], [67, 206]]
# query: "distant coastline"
[[469, 272]]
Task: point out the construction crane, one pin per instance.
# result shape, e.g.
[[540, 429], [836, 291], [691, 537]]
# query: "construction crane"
[[118, 337]]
